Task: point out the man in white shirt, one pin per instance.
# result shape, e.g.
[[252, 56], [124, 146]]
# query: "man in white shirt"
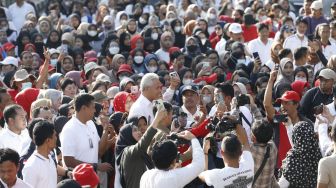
[[166, 42], [18, 11], [299, 39], [151, 89], [238, 160], [40, 170], [79, 138], [262, 45], [165, 158], [190, 99], [15, 135], [9, 165], [236, 34]]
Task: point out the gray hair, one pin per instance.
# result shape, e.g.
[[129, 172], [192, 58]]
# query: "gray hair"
[[148, 80], [53, 95]]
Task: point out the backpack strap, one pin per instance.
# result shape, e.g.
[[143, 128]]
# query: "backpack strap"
[[257, 174]]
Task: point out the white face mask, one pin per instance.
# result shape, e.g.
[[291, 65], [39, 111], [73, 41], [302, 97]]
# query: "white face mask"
[[155, 36], [212, 16], [5, 28], [26, 85], [203, 41], [241, 61], [121, 77], [170, 19], [123, 22], [138, 59], [300, 79], [207, 99], [92, 33], [53, 62], [113, 50], [177, 29], [187, 81], [152, 69], [142, 20]]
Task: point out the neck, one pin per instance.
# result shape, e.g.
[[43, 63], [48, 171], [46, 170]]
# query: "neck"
[[234, 163], [145, 95], [16, 131], [324, 41], [299, 62], [264, 40], [81, 118], [294, 117], [192, 109], [43, 150]]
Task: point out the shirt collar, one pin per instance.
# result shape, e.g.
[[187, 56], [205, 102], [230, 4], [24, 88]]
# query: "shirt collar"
[[145, 101], [12, 133]]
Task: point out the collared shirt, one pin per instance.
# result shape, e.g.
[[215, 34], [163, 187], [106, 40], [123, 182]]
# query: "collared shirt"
[[329, 49], [191, 117], [258, 152], [142, 107], [40, 172], [264, 50], [21, 184], [19, 13], [80, 141], [17, 142], [293, 42]]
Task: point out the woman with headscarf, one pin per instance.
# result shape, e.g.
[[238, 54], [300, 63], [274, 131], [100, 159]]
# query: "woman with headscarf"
[[93, 37], [123, 101], [212, 19], [138, 58], [189, 28], [76, 77], [132, 27], [44, 27], [275, 49], [177, 27], [23, 39], [124, 42], [299, 168], [207, 94], [285, 72], [151, 63], [81, 41], [55, 96], [54, 39], [103, 10], [67, 65], [131, 150], [55, 81], [120, 20], [191, 49], [216, 36]]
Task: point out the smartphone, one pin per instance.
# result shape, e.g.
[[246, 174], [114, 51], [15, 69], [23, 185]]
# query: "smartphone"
[[278, 118], [256, 55], [159, 104], [64, 49], [134, 89], [173, 74], [182, 119], [276, 67], [318, 109]]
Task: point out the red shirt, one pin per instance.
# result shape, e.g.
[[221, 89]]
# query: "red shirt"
[[249, 33]]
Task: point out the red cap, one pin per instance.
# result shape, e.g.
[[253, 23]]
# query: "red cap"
[[289, 96], [91, 59], [84, 174], [8, 46], [125, 68]]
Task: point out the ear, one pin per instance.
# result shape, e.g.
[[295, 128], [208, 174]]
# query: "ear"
[[253, 138]]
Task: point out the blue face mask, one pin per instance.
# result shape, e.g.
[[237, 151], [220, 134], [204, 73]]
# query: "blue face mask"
[[53, 62], [26, 85]]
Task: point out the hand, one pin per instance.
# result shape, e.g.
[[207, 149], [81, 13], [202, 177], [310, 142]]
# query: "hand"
[[173, 128], [186, 135], [46, 54], [69, 175], [273, 75], [174, 82], [326, 113], [314, 45], [203, 109], [257, 64], [104, 167], [206, 145], [160, 115]]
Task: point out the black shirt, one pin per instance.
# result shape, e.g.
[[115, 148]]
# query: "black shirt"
[[312, 98]]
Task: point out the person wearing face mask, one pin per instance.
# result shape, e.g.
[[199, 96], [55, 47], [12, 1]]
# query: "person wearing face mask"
[[93, 37], [187, 76], [166, 42], [301, 74], [151, 63], [180, 38], [207, 94], [299, 39], [191, 49], [113, 48], [138, 58], [143, 21]]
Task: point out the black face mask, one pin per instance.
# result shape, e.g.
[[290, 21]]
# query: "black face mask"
[[192, 48]]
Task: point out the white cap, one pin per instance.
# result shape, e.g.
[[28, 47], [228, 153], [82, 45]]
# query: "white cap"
[[235, 28], [9, 60], [103, 78], [54, 51], [90, 66], [316, 5], [112, 91]]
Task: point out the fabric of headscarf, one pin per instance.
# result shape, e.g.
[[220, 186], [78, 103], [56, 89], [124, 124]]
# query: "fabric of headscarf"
[[56, 44], [189, 27], [117, 22], [281, 78], [75, 76], [299, 86], [274, 56], [179, 37], [20, 45], [53, 80], [301, 163], [198, 49], [148, 58], [119, 101], [134, 39], [241, 87], [123, 47], [26, 97]]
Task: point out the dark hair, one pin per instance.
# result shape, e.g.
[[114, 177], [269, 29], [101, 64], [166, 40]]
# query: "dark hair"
[[263, 131], [7, 154], [2, 91], [66, 82], [300, 52], [300, 20], [284, 53], [42, 131], [301, 69], [11, 111], [32, 125], [226, 88], [262, 26], [83, 100], [333, 133], [231, 146], [286, 19], [163, 154], [166, 105]]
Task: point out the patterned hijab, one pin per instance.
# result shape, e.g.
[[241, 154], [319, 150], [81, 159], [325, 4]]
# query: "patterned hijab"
[[301, 163], [119, 102]]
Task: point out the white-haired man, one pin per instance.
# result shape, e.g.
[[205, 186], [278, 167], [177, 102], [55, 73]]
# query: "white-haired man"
[[151, 89]]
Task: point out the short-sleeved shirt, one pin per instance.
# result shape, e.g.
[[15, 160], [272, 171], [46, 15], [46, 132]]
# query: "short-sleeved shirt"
[[232, 177], [326, 171], [80, 141]]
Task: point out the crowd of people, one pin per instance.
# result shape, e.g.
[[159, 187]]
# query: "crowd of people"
[[168, 93]]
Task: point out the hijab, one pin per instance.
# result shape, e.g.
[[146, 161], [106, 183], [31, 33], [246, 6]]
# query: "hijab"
[[119, 101], [301, 163], [51, 44], [282, 78], [117, 22], [274, 56], [75, 76]]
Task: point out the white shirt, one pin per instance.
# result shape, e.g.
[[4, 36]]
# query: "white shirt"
[[3, 183], [21, 184], [19, 14], [293, 42], [232, 177], [80, 141], [264, 51], [329, 50], [191, 117], [220, 46], [40, 172], [17, 142], [163, 55], [178, 177], [142, 107]]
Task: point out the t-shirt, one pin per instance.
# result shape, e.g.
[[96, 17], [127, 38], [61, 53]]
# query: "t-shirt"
[[232, 177], [326, 171]]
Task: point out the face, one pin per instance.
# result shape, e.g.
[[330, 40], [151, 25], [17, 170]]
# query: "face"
[[8, 172], [167, 42], [317, 13], [79, 43], [179, 62], [7, 68], [44, 27], [27, 59], [89, 110], [156, 90], [202, 25], [20, 121], [237, 91], [67, 65], [213, 59], [301, 75], [301, 28], [236, 36], [46, 114], [264, 33], [187, 75], [132, 26], [139, 130], [306, 6], [326, 85], [190, 99], [288, 69], [324, 32], [70, 90], [288, 107]]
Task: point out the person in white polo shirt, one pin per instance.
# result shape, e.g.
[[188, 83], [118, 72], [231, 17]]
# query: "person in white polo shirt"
[[15, 134], [298, 39], [236, 34], [8, 64], [80, 142]]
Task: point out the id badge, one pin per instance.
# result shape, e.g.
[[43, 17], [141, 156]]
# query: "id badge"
[[90, 143]]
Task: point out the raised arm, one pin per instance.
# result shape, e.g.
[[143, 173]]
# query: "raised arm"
[[43, 76], [270, 111]]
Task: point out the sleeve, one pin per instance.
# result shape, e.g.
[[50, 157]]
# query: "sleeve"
[[144, 142], [68, 144], [283, 182], [305, 104], [323, 173], [192, 170], [324, 139], [210, 176], [322, 58], [168, 95], [247, 158], [30, 175]]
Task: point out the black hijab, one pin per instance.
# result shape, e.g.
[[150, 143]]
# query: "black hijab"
[[179, 36], [51, 44], [123, 47]]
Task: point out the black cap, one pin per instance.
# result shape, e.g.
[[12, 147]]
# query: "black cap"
[[189, 88], [68, 183]]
